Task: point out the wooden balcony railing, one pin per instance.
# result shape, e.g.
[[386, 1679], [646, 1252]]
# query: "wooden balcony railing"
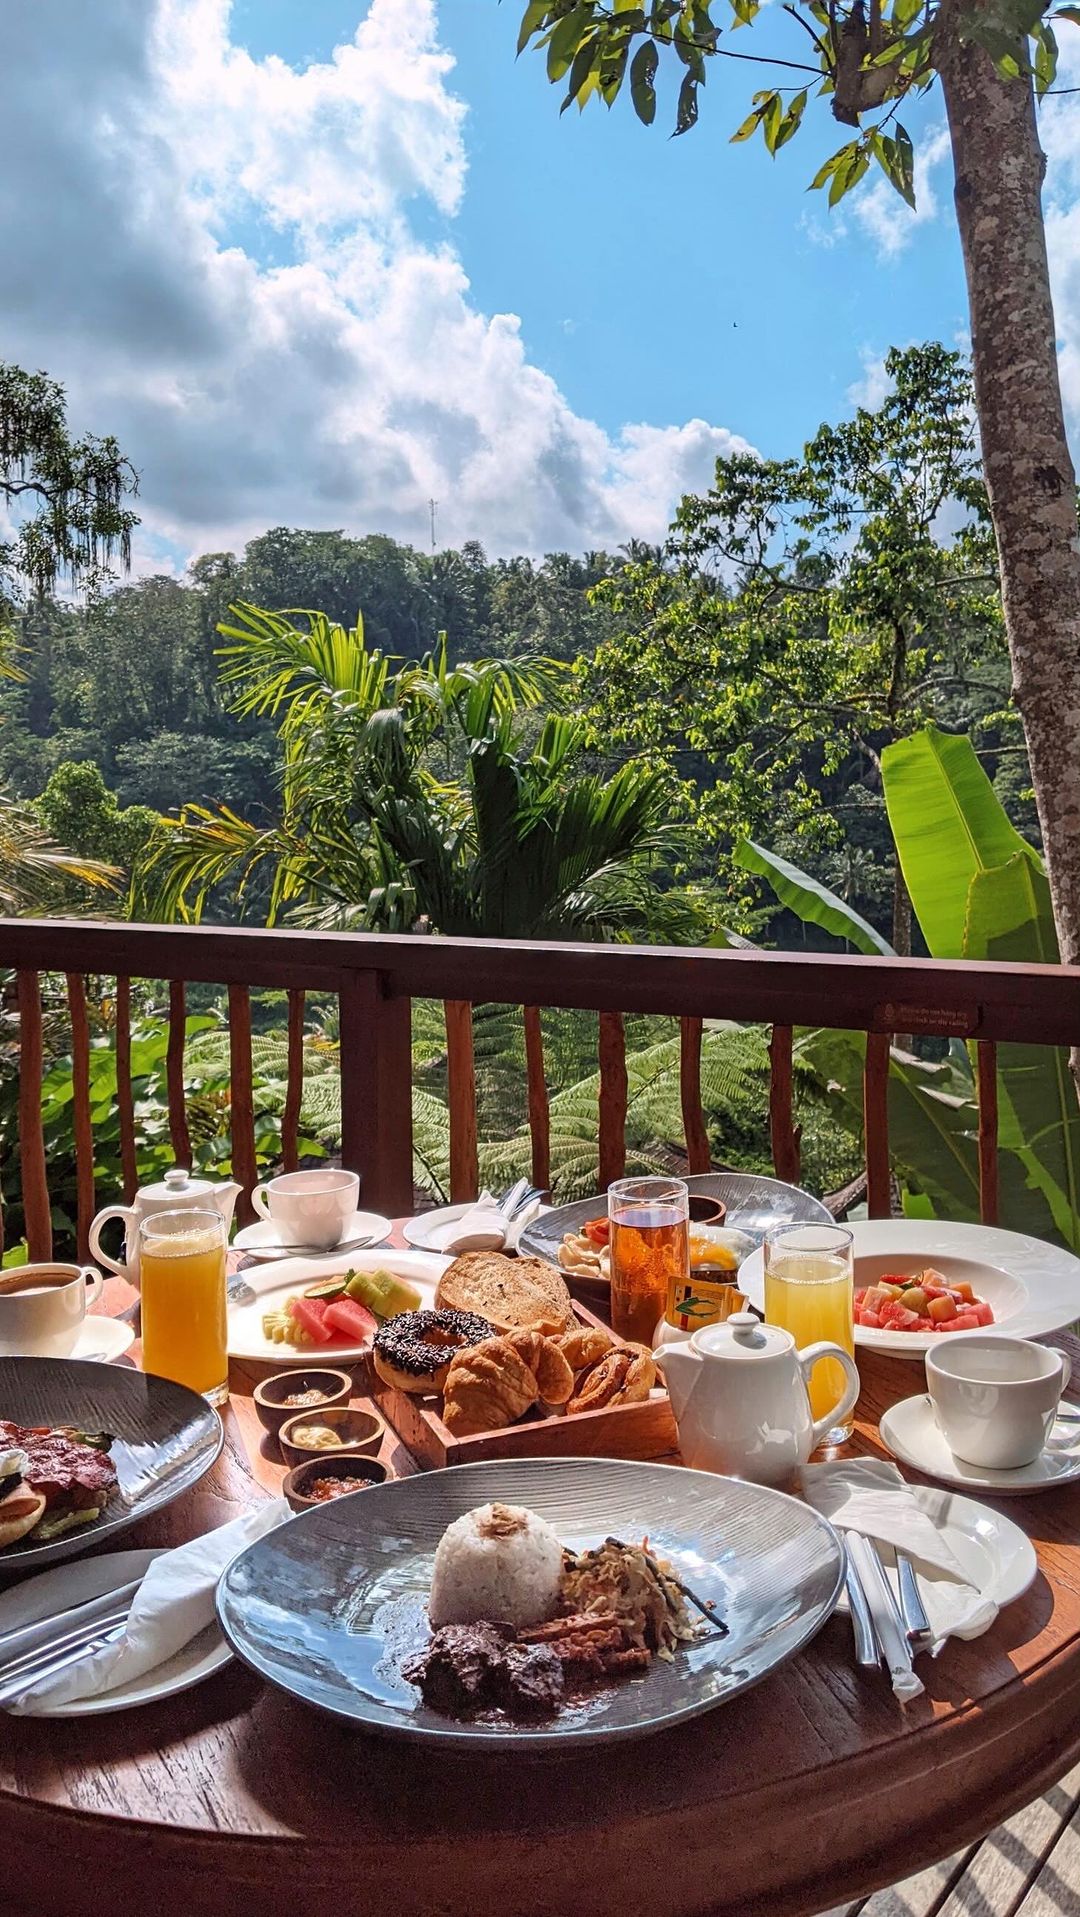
[[375, 979]]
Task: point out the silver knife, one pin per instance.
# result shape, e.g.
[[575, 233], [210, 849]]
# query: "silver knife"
[[867, 1648], [36, 1673], [46, 1630], [912, 1608]]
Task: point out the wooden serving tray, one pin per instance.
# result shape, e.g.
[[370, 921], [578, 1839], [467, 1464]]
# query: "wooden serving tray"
[[645, 1430]]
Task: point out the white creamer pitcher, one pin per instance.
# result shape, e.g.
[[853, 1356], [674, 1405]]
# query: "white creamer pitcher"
[[175, 1192], [739, 1394]]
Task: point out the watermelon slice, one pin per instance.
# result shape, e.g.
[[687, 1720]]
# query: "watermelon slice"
[[352, 1320], [310, 1315]]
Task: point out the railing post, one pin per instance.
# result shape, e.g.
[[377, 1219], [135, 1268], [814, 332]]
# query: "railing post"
[[461, 1099], [695, 1130], [80, 1111], [784, 1134], [539, 1111], [376, 1091], [611, 1050], [241, 1101], [876, 1125], [35, 1183]]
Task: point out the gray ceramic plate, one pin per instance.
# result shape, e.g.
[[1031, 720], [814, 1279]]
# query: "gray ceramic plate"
[[166, 1437], [754, 1205], [328, 1606]]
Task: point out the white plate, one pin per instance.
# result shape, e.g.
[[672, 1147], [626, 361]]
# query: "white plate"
[[264, 1240], [102, 1339], [911, 1432], [993, 1553], [1033, 1287], [265, 1288], [75, 1584], [417, 1231]]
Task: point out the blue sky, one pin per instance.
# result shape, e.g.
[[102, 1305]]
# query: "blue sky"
[[316, 262], [655, 277]]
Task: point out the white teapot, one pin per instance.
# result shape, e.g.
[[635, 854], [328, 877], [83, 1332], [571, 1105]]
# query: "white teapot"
[[739, 1393], [176, 1192]]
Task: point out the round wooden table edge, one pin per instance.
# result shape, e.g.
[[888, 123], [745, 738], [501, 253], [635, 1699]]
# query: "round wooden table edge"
[[64, 1855]]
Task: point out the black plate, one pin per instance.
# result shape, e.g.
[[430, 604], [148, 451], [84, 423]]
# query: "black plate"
[[326, 1607], [754, 1205], [166, 1439]]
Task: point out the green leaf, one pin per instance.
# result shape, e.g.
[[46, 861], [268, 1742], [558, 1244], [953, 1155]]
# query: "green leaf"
[[564, 40], [948, 824], [772, 114], [642, 75], [532, 20], [848, 176], [789, 125], [749, 125], [1068, 13], [811, 900], [826, 171], [687, 111], [1046, 58], [585, 58]]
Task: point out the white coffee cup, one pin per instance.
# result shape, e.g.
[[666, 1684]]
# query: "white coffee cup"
[[310, 1208], [995, 1399], [44, 1317]]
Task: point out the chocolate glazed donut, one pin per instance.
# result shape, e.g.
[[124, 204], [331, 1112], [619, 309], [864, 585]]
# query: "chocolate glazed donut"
[[413, 1351]]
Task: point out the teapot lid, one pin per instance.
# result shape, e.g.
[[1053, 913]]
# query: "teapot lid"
[[744, 1337], [178, 1187]]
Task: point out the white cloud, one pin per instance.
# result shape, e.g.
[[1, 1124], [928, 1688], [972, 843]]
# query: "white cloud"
[[873, 383], [218, 255], [888, 219]]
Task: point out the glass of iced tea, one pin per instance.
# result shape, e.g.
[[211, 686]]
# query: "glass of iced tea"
[[182, 1281], [650, 1250], [809, 1291]]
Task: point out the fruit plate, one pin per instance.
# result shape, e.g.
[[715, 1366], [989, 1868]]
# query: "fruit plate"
[[1032, 1287], [327, 1607], [264, 1288]]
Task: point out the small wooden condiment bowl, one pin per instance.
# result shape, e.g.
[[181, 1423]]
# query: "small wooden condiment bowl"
[[331, 1464], [361, 1433], [706, 1211], [268, 1395]]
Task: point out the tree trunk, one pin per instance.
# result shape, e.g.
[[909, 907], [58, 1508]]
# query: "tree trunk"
[[999, 167], [901, 914]]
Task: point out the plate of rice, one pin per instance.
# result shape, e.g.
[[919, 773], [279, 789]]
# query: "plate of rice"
[[537, 1604]]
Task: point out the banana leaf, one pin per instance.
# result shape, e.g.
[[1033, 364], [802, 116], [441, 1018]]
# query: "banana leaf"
[[949, 825], [811, 900], [932, 1117], [1009, 918]]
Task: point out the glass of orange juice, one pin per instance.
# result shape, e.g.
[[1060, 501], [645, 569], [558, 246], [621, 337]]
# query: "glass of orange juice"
[[809, 1291], [650, 1251], [182, 1280]]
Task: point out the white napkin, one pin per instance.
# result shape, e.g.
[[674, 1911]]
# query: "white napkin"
[[483, 1228], [174, 1602], [870, 1496]]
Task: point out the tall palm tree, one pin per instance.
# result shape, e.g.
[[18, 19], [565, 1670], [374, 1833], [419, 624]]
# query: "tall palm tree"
[[411, 795]]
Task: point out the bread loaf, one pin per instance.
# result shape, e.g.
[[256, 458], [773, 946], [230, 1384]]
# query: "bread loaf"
[[513, 1294]]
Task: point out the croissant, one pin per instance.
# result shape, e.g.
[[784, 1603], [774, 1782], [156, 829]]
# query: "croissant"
[[491, 1387]]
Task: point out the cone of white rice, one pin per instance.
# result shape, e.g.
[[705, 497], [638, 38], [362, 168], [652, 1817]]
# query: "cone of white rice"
[[499, 1564]]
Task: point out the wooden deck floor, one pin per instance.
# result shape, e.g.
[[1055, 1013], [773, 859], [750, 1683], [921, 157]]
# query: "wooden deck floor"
[[1029, 1867]]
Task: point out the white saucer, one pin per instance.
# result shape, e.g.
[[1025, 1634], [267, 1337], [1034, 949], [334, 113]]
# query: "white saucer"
[[91, 1577], [103, 1339], [910, 1431], [418, 1231], [264, 1239]]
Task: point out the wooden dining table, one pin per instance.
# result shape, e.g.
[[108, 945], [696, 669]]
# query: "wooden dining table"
[[812, 1788]]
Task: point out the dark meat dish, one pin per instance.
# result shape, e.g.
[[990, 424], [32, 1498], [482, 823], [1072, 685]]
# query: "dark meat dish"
[[469, 1668], [66, 1471]]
